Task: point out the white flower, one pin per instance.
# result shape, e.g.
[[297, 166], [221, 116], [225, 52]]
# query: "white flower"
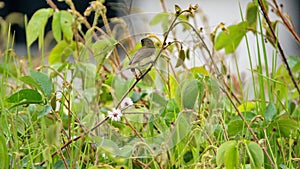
[[115, 114], [126, 103]]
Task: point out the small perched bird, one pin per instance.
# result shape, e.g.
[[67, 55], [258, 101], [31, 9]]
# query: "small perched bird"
[[143, 56]]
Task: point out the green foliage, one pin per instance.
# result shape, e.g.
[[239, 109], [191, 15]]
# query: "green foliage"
[[4, 158], [25, 96], [230, 39], [36, 25], [86, 109], [228, 155], [256, 155], [251, 15], [61, 52], [189, 94]]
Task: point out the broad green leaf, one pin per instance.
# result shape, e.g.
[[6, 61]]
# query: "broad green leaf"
[[28, 95], [213, 87], [44, 82], [296, 68], [66, 20], [200, 71], [30, 81], [235, 127], [37, 24], [25, 96], [101, 48], [256, 155], [60, 52], [231, 39], [148, 80], [182, 129], [247, 106], [251, 15], [4, 158], [162, 18], [108, 146], [56, 27], [270, 112], [231, 158], [155, 97], [184, 18], [285, 126], [120, 86], [126, 150], [189, 94], [293, 61], [222, 152], [46, 110]]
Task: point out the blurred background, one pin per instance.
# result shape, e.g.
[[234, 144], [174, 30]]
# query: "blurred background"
[[139, 13]]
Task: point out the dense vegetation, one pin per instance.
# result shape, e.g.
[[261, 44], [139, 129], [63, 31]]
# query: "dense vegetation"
[[79, 106]]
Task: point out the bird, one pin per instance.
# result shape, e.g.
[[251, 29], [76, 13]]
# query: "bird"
[[143, 56]]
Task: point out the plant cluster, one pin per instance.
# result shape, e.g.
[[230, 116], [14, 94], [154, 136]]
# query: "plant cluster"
[[80, 107]]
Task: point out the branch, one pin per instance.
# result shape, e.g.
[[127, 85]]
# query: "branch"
[[265, 14]]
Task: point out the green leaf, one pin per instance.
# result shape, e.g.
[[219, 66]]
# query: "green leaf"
[[182, 129], [181, 58], [223, 157], [173, 86], [270, 112], [103, 47], [189, 94], [66, 20], [156, 98], [46, 110], [4, 158], [293, 60], [43, 81], [25, 96], [285, 126], [231, 39], [37, 24], [251, 15], [56, 27], [60, 52], [200, 71], [231, 158], [235, 127], [120, 86], [162, 18], [30, 81], [256, 155]]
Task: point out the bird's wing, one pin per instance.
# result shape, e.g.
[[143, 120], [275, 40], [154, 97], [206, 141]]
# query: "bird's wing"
[[141, 54]]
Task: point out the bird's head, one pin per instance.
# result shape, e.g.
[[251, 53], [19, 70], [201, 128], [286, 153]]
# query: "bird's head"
[[148, 43]]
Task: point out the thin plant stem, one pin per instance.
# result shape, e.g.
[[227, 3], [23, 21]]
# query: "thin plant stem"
[[284, 59]]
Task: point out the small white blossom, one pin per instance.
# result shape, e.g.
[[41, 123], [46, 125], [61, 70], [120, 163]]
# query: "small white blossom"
[[115, 114], [126, 103]]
